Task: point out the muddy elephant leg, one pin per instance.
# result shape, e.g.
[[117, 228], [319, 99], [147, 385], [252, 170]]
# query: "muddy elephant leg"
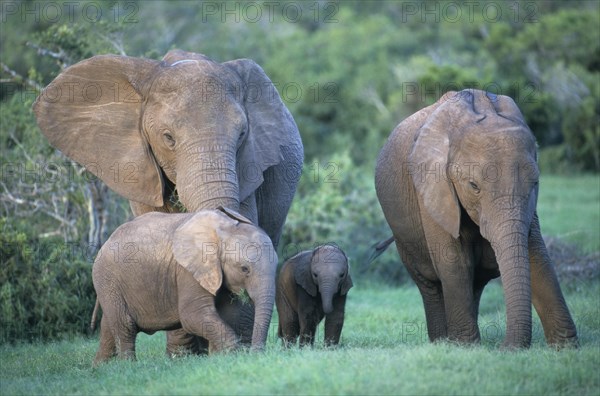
[[547, 298], [180, 343], [334, 322], [107, 348]]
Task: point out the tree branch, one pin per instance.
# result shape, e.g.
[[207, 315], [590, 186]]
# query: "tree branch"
[[16, 77]]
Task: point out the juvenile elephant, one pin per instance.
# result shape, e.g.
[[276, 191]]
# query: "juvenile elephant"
[[164, 271], [311, 285], [458, 185]]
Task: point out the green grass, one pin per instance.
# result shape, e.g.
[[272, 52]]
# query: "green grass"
[[569, 208], [384, 351]]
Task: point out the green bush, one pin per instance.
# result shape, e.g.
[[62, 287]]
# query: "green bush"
[[336, 203], [46, 291]]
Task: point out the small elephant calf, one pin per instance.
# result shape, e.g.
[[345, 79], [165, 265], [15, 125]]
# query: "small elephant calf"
[[172, 271], [312, 285]]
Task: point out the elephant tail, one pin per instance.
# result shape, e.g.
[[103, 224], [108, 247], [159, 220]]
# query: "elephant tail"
[[94, 316], [378, 249]]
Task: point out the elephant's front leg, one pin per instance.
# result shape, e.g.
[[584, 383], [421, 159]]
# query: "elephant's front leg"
[[334, 322], [547, 297], [415, 257], [309, 317], [289, 324], [199, 316], [179, 343], [454, 264]]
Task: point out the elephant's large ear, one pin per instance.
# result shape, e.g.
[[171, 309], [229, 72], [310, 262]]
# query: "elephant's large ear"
[[196, 247], [270, 126], [347, 283], [91, 112], [429, 161], [302, 273]]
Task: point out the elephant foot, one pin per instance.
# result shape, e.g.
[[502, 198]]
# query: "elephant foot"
[[225, 347], [558, 343]]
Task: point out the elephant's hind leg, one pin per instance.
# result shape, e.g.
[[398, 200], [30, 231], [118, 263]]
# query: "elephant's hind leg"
[[107, 348], [125, 335]]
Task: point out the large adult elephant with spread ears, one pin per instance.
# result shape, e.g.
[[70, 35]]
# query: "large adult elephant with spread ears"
[[217, 134]]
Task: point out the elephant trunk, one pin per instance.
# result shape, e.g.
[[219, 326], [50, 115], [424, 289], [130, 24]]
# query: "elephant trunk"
[[264, 299], [509, 240], [327, 290], [207, 177]]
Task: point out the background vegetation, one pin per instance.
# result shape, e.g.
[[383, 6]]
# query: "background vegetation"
[[349, 72]]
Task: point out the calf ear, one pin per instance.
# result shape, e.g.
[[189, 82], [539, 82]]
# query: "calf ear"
[[196, 247], [302, 274], [346, 284], [235, 215]]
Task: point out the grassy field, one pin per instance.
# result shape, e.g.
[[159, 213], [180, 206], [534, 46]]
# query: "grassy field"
[[384, 348], [569, 208], [384, 351]]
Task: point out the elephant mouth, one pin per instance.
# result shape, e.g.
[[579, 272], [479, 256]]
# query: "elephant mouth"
[[243, 296]]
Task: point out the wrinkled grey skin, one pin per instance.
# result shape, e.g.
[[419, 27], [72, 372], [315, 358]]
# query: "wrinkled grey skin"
[[313, 285], [218, 133], [170, 271], [458, 185]]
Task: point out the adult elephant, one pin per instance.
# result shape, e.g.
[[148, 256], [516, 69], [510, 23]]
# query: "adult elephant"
[[458, 185], [217, 134]]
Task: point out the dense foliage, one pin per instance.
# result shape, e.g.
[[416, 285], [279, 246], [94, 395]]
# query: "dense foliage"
[[348, 71]]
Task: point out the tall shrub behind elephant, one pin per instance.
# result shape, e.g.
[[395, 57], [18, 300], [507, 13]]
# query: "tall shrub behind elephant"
[[313, 285], [164, 271], [216, 133], [458, 184]]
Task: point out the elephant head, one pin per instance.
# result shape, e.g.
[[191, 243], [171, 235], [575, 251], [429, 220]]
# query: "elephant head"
[[146, 127], [325, 273], [226, 249], [475, 156]]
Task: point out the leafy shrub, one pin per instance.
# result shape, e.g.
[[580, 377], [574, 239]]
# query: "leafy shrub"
[[46, 290], [336, 203]]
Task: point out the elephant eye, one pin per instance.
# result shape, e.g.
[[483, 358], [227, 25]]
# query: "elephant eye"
[[315, 274], [168, 138], [341, 275], [245, 269], [474, 186]]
